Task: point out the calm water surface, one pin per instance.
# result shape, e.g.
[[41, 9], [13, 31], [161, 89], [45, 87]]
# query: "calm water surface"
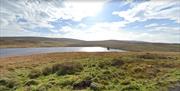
[[7, 52]]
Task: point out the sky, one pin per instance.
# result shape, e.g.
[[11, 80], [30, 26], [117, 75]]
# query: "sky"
[[139, 20]]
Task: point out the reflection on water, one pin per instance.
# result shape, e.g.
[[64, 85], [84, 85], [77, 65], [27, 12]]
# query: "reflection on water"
[[99, 49], [5, 52], [93, 49]]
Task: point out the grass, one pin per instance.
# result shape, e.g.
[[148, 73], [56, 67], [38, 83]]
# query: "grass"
[[131, 71]]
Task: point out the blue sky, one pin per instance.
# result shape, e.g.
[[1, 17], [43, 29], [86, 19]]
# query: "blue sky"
[[140, 20]]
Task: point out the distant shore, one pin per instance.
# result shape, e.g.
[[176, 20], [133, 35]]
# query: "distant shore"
[[136, 46]]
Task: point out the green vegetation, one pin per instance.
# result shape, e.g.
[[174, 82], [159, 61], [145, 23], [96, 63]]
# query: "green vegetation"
[[102, 72]]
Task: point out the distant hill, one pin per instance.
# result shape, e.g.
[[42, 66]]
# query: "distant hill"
[[132, 45], [54, 42], [35, 42]]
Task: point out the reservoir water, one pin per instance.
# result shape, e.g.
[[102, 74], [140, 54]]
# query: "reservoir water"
[[8, 52]]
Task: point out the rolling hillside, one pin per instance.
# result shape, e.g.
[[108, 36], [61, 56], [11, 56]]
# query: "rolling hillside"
[[12, 42], [132, 45]]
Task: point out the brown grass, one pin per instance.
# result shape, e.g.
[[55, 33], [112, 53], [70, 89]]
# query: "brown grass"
[[32, 61]]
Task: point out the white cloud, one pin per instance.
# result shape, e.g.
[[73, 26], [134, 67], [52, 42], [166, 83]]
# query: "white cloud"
[[82, 25], [170, 30], [113, 30], [158, 37], [66, 29], [19, 33], [151, 25], [161, 9], [154, 27], [78, 10], [39, 13]]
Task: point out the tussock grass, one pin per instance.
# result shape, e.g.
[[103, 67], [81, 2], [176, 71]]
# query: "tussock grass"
[[63, 68]]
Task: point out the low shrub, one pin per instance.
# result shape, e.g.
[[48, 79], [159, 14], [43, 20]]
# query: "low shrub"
[[152, 56], [55, 67], [145, 71], [66, 83], [2, 82], [4, 88], [152, 72], [31, 82], [117, 62], [167, 65], [125, 82], [9, 83], [67, 68], [43, 87], [138, 69], [10, 69], [47, 71], [34, 74], [62, 68], [131, 88], [106, 72], [103, 64]]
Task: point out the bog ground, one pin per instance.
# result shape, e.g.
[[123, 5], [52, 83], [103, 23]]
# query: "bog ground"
[[131, 71]]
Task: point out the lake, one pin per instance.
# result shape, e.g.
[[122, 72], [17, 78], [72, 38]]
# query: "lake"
[[7, 52]]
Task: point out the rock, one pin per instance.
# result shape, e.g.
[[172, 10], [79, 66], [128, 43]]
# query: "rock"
[[176, 88], [93, 86], [96, 87], [82, 85]]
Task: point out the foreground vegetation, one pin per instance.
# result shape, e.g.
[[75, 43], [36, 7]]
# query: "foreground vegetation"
[[91, 72]]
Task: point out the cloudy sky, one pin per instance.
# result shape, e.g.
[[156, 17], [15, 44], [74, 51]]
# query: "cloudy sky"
[[140, 20]]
